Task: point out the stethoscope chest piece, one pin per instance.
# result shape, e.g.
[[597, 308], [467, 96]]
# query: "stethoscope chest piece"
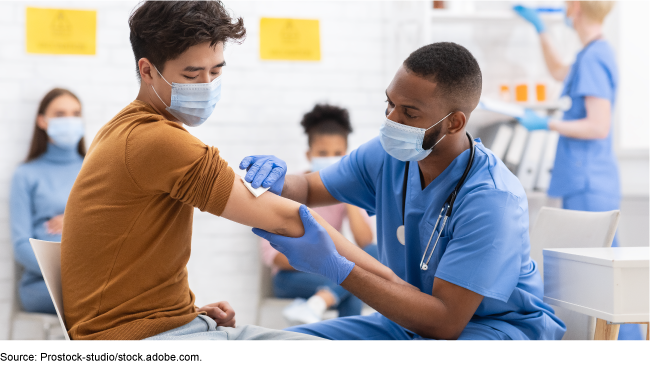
[[401, 235]]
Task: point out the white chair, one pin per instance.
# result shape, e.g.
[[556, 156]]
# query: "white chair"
[[558, 228], [48, 256], [28, 325]]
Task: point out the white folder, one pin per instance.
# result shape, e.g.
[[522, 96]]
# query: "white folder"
[[516, 149], [529, 167], [502, 140], [548, 160]]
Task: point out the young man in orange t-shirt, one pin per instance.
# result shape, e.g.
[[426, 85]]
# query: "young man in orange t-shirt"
[[128, 222]]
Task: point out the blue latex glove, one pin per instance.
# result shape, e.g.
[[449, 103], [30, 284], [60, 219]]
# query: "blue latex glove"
[[531, 16], [266, 171], [313, 252], [533, 121]]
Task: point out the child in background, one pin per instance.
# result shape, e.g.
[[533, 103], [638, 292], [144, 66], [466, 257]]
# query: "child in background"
[[41, 186], [327, 128]]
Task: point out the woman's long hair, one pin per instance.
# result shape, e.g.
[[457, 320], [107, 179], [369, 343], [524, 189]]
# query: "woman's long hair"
[[40, 138]]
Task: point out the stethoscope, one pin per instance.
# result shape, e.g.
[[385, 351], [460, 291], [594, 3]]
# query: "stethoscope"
[[446, 210]]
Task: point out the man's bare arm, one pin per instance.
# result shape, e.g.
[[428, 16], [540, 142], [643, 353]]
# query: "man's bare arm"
[[280, 216], [442, 315], [595, 126]]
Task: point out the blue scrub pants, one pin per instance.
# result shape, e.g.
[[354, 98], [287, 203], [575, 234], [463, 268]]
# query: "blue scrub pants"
[[377, 327], [292, 284], [598, 202], [34, 295]]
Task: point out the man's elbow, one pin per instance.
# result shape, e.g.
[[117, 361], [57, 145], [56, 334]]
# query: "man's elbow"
[[442, 331]]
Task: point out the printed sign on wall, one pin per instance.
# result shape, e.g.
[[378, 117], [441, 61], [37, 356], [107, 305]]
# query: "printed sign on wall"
[[289, 39], [61, 31]]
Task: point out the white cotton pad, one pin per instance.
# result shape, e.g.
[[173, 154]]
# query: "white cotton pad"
[[255, 191]]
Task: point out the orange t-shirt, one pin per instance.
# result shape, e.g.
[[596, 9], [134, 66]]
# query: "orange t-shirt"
[[128, 226]]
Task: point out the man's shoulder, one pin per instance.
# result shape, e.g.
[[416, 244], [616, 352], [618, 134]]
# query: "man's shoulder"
[[492, 175]]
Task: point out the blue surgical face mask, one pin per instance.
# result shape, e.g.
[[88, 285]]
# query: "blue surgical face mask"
[[192, 104], [65, 132], [319, 163], [405, 142]]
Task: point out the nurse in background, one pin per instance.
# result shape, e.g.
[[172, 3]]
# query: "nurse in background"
[[585, 174], [327, 128], [40, 189]]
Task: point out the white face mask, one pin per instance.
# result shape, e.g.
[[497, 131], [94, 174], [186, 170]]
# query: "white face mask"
[[319, 163], [65, 132], [405, 142], [192, 104]]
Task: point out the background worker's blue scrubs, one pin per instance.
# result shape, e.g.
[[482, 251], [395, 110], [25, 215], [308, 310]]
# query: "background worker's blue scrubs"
[[484, 247], [585, 174]]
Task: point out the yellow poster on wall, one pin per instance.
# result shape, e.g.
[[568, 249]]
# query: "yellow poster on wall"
[[289, 39], [61, 31]]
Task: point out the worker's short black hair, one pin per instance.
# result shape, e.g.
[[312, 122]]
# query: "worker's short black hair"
[[453, 68], [326, 119]]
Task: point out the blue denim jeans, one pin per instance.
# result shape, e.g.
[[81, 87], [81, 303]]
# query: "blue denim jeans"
[[34, 296], [292, 284], [204, 328]]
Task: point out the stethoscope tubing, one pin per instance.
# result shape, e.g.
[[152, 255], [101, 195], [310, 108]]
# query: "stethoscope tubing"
[[446, 208]]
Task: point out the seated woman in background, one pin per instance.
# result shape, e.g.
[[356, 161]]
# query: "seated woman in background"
[[327, 128], [40, 189]]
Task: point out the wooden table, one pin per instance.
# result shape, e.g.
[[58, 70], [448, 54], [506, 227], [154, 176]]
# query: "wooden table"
[[611, 284]]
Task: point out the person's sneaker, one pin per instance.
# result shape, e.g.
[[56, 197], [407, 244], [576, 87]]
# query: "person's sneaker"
[[298, 312]]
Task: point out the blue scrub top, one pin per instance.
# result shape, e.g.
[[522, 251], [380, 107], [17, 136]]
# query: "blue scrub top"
[[484, 247], [587, 165]]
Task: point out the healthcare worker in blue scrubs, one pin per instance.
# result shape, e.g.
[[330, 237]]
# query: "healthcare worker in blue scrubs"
[[476, 281], [585, 174]]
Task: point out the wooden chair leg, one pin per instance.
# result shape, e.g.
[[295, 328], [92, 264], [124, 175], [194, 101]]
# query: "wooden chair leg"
[[604, 331]]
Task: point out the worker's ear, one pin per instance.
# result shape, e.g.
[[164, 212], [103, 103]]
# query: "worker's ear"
[[146, 69], [308, 155], [457, 122]]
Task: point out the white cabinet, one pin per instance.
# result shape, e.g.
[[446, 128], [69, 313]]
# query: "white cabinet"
[[607, 283]]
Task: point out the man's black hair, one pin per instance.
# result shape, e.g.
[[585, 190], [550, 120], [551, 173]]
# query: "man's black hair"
[[325, 119], [163, 30], [453, 68]]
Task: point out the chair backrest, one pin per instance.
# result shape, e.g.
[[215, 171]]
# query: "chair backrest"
[[48, 256], [558, 228]]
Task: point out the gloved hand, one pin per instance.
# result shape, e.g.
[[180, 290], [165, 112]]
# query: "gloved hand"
[[266, 171], [531, 16], [314, 252], [533, 121]]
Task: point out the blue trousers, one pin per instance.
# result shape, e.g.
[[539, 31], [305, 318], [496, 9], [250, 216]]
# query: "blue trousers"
[[292, 284], [34, 295], [598, 202], [377, 327]]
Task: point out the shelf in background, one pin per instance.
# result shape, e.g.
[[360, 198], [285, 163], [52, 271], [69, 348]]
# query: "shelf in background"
[[488, 15]]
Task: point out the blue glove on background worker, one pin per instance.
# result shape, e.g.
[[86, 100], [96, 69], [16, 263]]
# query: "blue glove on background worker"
[[530, 15], [267, 171], [314, 252], [533, 121]]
